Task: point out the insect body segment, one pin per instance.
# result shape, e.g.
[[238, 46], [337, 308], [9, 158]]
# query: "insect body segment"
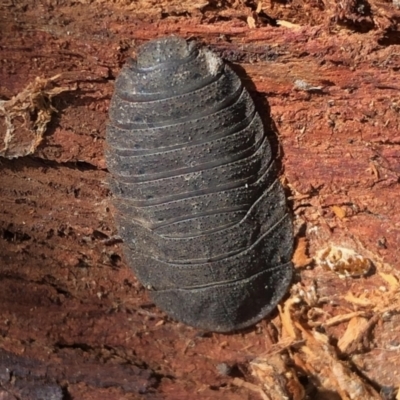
[[200, 209]]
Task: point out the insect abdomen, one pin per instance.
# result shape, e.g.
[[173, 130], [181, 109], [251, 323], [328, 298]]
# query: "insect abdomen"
[[200, 209]]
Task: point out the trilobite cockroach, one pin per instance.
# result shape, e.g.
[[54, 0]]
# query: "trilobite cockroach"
[[199, 206]]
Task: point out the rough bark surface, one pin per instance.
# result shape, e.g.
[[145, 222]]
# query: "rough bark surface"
[[75, 323]]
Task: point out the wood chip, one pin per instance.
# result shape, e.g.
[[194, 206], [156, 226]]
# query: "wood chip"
[[286, 318], [287, 24], [250, 386], [300, 258], [358, 300], [321, 362], [355, 328], [338, 319], [391, 280], [276, 378], [251, 22], [340, 212]]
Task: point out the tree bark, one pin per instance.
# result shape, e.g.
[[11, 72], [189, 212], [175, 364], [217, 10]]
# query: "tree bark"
[[75, 322]]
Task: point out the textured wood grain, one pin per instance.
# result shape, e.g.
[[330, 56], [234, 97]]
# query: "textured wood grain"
[[332, 91]]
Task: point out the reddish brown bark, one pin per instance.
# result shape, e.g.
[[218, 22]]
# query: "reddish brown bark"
[[75, 323]]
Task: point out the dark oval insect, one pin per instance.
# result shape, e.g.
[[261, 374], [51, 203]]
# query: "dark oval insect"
[[200, 209]]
